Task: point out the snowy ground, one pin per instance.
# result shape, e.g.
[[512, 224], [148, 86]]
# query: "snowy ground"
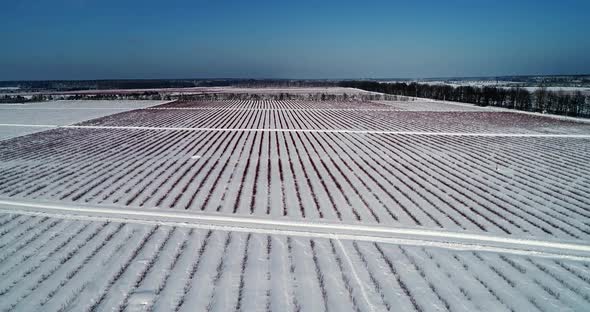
[[8, 131], [16, 119], [292, 205], [50, 263]]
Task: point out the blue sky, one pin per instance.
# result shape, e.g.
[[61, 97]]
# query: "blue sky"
[[86, 39]]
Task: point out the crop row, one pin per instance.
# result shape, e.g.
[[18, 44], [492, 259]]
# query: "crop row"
[[56, 265], [414, 105], [444, 182]]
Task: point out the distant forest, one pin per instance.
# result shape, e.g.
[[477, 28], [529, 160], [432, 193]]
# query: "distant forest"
[[126, 84], [560, 103]]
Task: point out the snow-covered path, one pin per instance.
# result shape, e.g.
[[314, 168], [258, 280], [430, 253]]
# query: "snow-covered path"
[[574, 250], [524, 135]]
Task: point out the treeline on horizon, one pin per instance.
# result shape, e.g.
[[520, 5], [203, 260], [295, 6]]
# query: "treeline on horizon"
[[77, 85], [6, 99], [126, 84], [560, 103], [204, 96]]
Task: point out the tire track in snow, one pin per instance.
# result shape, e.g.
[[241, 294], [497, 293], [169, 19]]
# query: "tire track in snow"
[[469, 134], [353, 270]]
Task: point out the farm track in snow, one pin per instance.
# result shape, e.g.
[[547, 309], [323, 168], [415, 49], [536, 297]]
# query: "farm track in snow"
[[270, 226], [529, 135]]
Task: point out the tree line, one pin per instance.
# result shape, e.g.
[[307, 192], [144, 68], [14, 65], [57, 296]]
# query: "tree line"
[[7, 99], [541, 100], [209, 96]]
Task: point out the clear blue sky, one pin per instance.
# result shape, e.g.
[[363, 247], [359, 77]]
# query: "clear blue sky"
[[87, 39]]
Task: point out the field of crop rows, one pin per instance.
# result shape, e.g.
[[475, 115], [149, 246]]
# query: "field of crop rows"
[[527, 186], [464, 172], [324, 116], [55, 265]]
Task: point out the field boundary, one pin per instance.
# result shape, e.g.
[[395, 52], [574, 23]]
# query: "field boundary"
[[338, 231], [535, 135], [469, 134]]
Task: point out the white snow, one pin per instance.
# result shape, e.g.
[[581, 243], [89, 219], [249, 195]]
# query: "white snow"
[[138, 267]]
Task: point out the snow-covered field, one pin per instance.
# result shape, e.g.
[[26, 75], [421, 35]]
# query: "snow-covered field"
[[293, 205], [51, 264], [355, 116], [16, 119]]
